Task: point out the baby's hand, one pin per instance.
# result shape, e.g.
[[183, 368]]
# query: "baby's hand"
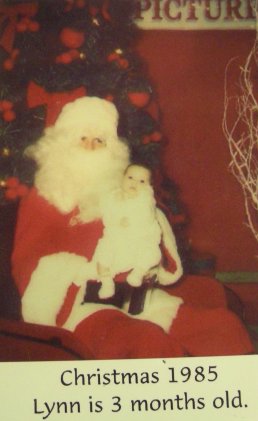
[[124, 222]]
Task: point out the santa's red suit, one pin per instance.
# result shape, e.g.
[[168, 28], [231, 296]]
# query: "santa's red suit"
[[79, 160], [199, 326]]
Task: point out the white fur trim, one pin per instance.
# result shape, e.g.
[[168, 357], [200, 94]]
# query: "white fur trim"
[[168, 278], [98, 116], [160, 308], [165, 277], [48, 286]]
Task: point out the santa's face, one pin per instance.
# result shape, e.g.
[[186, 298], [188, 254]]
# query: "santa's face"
[[78, 169], [91, 143], [136, 179]]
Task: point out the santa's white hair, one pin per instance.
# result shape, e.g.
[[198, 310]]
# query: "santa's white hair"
[[69, 176]]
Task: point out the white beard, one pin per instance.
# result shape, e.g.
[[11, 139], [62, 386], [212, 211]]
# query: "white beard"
[[69, 176]]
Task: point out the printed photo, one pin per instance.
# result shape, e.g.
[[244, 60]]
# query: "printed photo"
[[128, 179]]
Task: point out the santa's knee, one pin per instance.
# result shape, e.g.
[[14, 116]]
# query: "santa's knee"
[[111, 334], [210, 331], [148, 340]]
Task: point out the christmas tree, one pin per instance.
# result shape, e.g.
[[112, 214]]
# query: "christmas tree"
[[53, 52], [61, 50]]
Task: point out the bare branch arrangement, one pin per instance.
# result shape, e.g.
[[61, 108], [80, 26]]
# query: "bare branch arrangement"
[[240, 125]]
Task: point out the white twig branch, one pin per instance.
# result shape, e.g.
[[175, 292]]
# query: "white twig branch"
[[240, 125]]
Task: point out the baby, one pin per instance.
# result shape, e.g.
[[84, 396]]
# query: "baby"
[[132, 234]]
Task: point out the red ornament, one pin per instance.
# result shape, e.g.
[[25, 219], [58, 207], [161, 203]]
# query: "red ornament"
[[139, 99], [123, 63], [27, 24], [110, 97], [65, 58], [14, 189], [12, 182], [146, 139], [112, 57], [15, 53], [8, 64], [156, 136], [21, 26], [9, 116], [153, 137], [116, 56], [6, 105], [74, 54], [80, 4], [10, 194], [104, 10], [68, 57], [33, 26], [22, 190], [72, 38]]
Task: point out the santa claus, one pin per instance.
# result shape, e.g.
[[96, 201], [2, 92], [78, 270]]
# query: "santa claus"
[[80, 160]]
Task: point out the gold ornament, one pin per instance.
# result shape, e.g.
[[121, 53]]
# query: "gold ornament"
[[95, 22], [2, 184], [119, 51], [6, 152], [82, 56]]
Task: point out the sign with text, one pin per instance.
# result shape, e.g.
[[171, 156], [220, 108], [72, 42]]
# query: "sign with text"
[[193, 389], [196, 14]]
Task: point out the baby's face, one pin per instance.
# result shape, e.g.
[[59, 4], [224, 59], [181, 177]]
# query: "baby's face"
[[135, 180]]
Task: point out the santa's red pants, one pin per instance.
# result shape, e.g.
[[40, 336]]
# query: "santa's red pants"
[[111, 334]]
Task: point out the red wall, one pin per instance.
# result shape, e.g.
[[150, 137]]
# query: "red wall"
[[187, 70]]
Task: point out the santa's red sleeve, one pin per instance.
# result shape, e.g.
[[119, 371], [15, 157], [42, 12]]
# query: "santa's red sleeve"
[[198, 326], [41, 231]]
